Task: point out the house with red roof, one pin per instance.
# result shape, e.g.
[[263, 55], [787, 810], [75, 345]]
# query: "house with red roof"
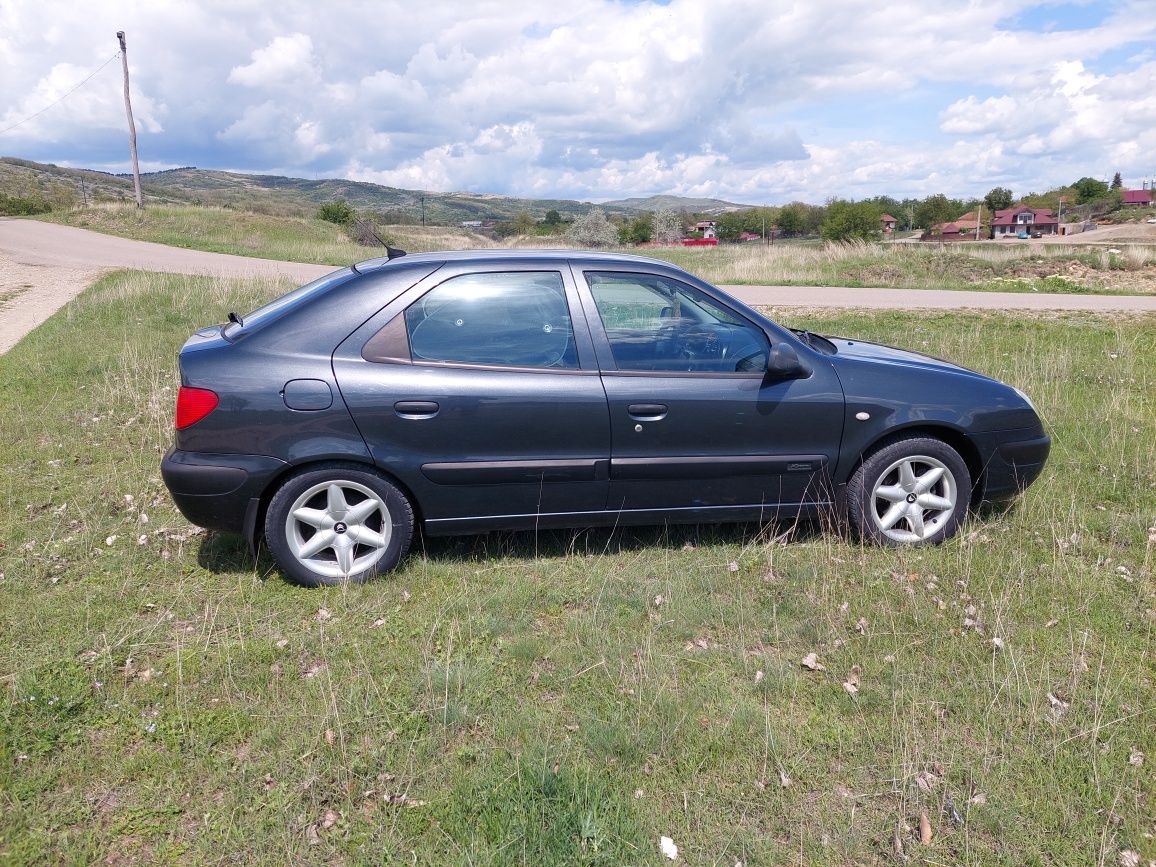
[[888, 223], [1136, 198], [1015, 220]]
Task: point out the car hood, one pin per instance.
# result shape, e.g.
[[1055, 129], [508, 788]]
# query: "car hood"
[[863, 351]]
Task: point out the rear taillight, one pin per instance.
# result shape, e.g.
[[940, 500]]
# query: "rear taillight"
[[193, 404]]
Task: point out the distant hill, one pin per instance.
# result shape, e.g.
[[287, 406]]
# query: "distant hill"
[[274, 194], [27, 178], [674, 203]]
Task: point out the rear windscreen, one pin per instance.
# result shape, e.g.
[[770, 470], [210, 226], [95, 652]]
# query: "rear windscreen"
[[278, 307]]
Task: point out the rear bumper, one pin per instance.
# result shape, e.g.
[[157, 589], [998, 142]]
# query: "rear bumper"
[[1016, 461], [217, 491]]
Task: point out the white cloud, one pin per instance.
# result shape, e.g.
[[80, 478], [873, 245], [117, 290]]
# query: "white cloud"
[[287, 59], [595, 98]]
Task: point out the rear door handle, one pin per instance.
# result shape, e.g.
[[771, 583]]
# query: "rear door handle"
[[416, 408], [647, 411]]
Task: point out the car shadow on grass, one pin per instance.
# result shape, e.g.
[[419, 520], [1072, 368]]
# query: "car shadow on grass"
[[222, 553], [595, 541]]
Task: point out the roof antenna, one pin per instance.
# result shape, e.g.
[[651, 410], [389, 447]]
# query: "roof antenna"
[[390, 252]]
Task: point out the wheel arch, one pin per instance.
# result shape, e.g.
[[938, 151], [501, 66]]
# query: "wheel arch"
[[259, 506], [952, 436]]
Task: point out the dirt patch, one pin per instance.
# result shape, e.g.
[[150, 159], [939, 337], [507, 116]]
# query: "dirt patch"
[[29, 294]]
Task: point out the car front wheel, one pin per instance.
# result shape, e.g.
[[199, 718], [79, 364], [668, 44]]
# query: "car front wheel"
[[337, 523], [913, 491]]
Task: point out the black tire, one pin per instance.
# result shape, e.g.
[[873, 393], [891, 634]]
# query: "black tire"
[[366, 521], [885, 502]]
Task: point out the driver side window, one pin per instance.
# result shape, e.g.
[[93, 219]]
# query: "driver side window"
[[656, 323]]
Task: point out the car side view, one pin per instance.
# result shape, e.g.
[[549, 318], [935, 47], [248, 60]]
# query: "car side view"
[[480, 390]]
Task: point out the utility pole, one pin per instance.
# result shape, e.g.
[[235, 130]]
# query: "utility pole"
[[423, 211], [978, 220], [131, 123]]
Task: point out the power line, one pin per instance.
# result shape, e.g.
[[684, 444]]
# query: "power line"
[[50, 105]]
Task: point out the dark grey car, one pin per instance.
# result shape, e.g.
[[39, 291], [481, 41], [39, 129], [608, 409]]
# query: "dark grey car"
[[471, 391]]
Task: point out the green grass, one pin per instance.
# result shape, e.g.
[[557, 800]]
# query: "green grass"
[[567, 698]]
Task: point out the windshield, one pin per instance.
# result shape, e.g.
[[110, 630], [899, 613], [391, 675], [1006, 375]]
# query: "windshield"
[[277, 307]]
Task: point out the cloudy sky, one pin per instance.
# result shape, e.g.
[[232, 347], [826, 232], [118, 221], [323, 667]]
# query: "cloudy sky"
[[748, 100]]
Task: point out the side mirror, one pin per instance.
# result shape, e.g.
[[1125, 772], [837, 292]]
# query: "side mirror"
[[784, 363]]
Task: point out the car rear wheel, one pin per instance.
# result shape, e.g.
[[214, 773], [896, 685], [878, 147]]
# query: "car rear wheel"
[[913, 491], [337, 523]]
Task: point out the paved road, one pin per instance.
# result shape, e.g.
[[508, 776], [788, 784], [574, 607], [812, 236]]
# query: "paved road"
[[31, 242], [42, 266]]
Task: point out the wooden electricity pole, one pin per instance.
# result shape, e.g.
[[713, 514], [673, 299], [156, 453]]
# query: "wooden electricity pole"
[[131, 124]]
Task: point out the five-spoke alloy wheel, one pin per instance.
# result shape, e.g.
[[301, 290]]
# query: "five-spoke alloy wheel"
[[913, 491], [337, 523]]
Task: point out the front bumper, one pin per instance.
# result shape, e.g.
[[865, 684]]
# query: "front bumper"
[[218, 492], [1017, 459]]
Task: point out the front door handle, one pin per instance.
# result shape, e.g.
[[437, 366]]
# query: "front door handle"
[[416, 408], [647, 411]]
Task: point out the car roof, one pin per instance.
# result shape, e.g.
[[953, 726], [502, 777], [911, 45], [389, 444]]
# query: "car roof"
[[513, 255]]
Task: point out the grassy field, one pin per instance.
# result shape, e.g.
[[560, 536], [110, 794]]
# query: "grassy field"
[[568, 698], [995, 266], [1008, 267]]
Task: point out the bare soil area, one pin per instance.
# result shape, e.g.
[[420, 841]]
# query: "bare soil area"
[[1117, 233], [29, 294]]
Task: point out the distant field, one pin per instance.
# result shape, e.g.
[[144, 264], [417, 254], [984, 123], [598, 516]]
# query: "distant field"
[[567, 698], [996, 266], [1008, 266]]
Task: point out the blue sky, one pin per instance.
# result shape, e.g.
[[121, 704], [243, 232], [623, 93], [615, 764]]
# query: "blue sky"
[[597, 99]]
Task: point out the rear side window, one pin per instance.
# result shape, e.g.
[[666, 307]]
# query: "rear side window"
[[508, 319]]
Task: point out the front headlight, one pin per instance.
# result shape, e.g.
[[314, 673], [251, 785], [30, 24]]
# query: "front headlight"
[[1026, 399]]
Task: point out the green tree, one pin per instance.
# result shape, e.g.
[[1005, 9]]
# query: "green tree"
[[851, 221], [729, 226], [339, 211], [1089, 190], [1117, 182], [791, 220], [998, 199], [936, 209], [522, 224], [640, 230], [552, 218]]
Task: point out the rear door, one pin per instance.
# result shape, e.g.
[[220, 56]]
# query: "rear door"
[[479, 390], [695, 423]]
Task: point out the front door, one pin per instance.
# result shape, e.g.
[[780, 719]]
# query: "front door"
[[696, 425]]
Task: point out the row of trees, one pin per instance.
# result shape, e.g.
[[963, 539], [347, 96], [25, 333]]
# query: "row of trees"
[[837, 220]]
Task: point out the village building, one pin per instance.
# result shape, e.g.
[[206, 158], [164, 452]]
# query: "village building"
[[1020, 219]]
